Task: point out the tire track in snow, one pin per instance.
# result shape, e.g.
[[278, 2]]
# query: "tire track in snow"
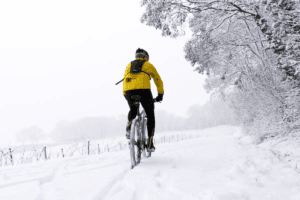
[[101, 195], [79, 181]]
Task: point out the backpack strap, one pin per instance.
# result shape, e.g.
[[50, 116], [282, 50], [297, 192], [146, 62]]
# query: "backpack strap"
[[119, 81], [147, 73]]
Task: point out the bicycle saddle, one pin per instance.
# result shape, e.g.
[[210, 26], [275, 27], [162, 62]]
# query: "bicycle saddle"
[[136, 97]]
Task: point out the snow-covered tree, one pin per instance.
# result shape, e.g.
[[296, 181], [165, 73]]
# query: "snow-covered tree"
[[248, 49], [281, 25]]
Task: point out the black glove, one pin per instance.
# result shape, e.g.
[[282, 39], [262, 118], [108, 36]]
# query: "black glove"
[[159, 97]]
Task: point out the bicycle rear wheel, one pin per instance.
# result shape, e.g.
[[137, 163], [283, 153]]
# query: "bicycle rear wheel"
[[135, 142], [145, 137]]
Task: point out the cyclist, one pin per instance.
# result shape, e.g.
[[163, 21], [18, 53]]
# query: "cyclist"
[[136, 81]]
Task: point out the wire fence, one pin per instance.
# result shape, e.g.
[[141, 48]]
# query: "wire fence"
[[9, 156]]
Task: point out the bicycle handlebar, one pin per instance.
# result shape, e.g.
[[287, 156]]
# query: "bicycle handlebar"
[[154, 100]]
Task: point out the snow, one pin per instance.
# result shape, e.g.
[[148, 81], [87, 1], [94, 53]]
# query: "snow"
[[221, 164], [285, 148]]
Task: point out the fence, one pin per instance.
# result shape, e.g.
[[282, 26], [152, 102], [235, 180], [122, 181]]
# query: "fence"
[[9, 156]]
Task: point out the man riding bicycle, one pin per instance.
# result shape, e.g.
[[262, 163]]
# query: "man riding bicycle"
[[136, 81]]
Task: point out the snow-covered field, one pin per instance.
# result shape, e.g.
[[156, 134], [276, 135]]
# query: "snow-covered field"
[[220, 164]]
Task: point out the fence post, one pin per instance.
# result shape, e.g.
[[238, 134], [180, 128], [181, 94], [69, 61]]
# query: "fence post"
[[1, 158], [45, 153], [88, 147], [22, 157], [62, 152], [98, 149], [107, 148], [11, 158], [35, 153]]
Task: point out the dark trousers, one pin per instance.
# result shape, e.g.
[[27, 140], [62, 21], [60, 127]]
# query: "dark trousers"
[[148, 105]]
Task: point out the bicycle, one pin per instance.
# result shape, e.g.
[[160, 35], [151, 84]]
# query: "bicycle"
[[138, 130]]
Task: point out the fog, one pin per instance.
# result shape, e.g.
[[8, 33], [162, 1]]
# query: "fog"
[[211, 114], [59, 61]]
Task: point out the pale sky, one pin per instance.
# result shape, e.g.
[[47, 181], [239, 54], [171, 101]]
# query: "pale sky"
[[60, 60]]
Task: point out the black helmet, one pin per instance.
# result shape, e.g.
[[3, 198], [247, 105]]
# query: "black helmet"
[[141, 53]]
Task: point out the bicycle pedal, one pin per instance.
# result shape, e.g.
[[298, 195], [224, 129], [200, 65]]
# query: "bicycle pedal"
[[150, 150]]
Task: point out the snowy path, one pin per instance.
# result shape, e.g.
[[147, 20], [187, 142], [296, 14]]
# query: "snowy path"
[[220, 165]]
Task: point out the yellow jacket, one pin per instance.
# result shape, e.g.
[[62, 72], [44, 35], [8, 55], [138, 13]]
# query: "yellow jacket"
[[142, 80]]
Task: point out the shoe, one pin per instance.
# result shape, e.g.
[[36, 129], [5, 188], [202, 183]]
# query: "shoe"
[[150, 145], [128, 127]]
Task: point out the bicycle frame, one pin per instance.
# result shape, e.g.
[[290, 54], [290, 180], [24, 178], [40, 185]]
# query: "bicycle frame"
[[137, 143]]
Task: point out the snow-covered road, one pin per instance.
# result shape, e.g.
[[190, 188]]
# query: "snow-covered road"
[[220, 165]]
